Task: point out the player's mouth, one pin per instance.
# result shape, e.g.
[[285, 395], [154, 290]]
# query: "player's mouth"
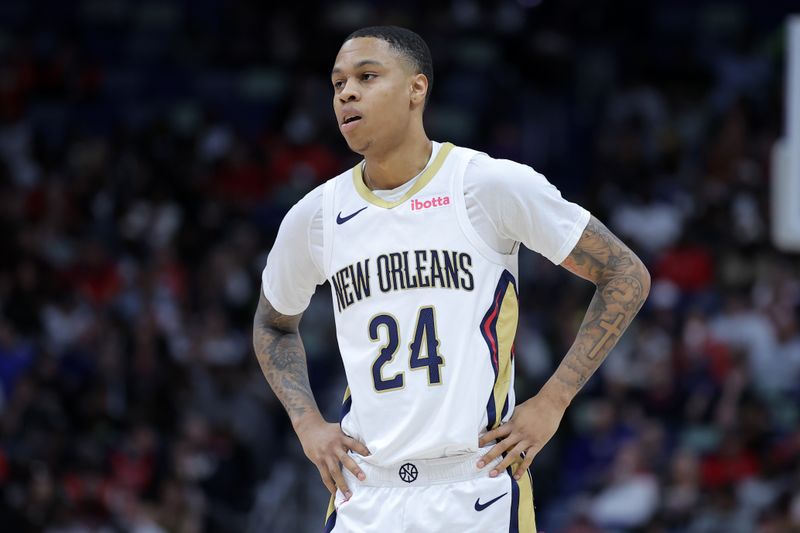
[[349, 123]]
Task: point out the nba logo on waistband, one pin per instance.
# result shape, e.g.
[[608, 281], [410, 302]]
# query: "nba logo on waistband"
[[421, 204], [408, 472]]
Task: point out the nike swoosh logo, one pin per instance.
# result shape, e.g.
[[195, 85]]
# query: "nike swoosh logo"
[[481, 506], [341, 220]]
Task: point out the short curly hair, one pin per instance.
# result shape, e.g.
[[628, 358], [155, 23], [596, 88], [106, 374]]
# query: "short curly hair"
[[406, 42]]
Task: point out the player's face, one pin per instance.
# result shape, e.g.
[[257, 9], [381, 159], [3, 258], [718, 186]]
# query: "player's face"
[[373, 94]]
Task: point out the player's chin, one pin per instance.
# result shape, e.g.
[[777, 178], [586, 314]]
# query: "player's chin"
[[358, 145]]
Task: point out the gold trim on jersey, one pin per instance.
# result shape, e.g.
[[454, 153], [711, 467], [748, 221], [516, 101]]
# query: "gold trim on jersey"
[[342, 412], [331, 509], [422, 181], [526, 517], [506, 329]]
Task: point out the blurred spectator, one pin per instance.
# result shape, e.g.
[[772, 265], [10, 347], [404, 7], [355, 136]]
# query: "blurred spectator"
[[630, 498]]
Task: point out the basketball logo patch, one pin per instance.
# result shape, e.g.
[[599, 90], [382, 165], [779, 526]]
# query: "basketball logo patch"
[[408, 472]]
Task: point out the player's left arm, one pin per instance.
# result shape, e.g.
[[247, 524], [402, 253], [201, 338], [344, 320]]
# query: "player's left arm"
[[623, 284]]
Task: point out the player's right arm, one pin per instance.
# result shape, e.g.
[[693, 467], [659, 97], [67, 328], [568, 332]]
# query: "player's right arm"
[[282, 357], [290, 278], [280, 353]]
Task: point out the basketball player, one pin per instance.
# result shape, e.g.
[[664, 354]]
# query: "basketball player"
[[419, 242]]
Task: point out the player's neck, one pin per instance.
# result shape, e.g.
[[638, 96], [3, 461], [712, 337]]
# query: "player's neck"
[[393, 168]]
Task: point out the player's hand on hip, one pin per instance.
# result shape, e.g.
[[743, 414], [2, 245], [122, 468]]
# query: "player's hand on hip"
[[532, 425], [326, 446]]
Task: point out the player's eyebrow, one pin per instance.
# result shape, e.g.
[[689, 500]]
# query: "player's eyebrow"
[[360, 64]]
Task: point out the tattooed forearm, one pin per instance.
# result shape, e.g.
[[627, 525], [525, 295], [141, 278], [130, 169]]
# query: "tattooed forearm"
[[282, 358], [622, 287], [612, 331]]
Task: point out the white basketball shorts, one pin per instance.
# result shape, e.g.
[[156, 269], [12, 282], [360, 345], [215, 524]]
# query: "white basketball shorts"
[[448, 495]]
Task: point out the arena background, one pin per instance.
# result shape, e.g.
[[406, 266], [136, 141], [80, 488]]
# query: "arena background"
[[150, 149]]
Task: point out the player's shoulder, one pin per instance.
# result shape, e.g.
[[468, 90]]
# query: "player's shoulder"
[[484, 172]]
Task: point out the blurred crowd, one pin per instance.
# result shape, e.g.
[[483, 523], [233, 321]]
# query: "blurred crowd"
[[148, 151]]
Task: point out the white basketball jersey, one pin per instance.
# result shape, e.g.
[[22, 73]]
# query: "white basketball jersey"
[[425, 315]]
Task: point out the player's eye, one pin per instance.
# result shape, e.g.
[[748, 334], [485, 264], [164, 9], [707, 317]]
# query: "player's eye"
[[367, 76], [338, 84]]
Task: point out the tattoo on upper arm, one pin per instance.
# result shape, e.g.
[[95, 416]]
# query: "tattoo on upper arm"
[[598, 252], [622, 287], [280, 353]]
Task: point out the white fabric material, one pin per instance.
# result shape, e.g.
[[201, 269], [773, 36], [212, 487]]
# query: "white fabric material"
[[426, 471], [294, 264], [398, 410], [507, 204], [442, 508]]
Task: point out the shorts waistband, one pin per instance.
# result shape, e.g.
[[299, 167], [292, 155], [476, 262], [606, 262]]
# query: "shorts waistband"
[[421, 472]]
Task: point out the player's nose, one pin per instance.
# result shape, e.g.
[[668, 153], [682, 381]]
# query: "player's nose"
[[349, 92]]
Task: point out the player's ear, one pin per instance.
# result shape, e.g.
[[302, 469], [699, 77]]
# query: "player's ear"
[[418, 88]]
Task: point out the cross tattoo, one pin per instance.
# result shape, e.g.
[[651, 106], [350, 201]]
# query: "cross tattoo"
[[611, 329]]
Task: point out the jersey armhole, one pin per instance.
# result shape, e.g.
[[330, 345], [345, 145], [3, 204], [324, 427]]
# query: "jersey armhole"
[[457, 186]]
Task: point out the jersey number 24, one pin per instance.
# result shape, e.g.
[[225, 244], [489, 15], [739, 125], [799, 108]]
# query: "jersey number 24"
[[424, 340]]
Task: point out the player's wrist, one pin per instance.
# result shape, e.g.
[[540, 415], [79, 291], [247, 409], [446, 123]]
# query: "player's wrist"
[[306, 421], [556, 393]]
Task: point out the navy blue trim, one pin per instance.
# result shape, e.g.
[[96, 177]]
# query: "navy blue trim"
[[513, 521], [491, 411], [492, 342], [346, 405], [331, 523]]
